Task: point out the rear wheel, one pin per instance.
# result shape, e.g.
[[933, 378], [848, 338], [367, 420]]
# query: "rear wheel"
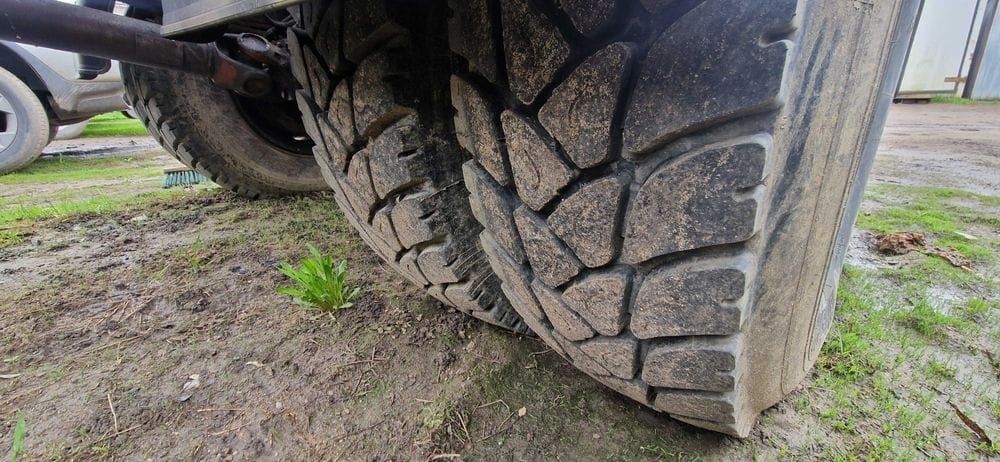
[[667, 186], [256, 148], [375, 99], [24, 125]]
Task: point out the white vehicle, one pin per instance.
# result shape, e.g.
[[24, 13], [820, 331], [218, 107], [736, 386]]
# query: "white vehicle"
[[40, 91]]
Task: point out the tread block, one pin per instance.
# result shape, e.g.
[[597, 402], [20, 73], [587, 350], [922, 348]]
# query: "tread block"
[[552, 262], [382, 223], [677, 301], [579, 113], [535, 324], [619, 355], [634, 389], [390, 172], [600, 299], [328, 39], [695, 202], [409, 219], [409, 267], [434, 262], [335, 150], [297, 62], [319, 78], [471, 36], [588, 16], [375, 104], [736, 75], [539, 173], [366, 26], [491, 207], [694, 364], [478, 292], [477, 130], [341, 113], [588, 221], [515, 278], [358, 186], [533, 46], [569, 324], [656, 6], [715, 407], [580, 359]]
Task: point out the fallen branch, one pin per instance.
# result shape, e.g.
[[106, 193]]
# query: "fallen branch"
[[971, 424]]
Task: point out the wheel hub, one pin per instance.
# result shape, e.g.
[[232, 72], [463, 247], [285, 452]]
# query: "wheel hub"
[[8, 123]]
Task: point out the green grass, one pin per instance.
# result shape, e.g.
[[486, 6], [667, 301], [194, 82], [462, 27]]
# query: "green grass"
[[946, 215], [960, 101], [85, 206], [114, 124], [66, 170]]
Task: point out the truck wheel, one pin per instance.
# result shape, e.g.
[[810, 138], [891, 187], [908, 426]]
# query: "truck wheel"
[[375, 100], [256, 148], [24, 125], [667, 186]]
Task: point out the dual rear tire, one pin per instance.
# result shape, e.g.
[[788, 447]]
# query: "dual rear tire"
[[661, 190]]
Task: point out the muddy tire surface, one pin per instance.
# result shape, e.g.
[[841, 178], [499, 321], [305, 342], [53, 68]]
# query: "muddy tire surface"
[[667, 187], [207, 128], [375, 98]]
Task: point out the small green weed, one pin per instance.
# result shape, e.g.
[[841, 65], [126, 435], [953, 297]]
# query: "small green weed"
[[20, 430], [320, 285], [941, 370]]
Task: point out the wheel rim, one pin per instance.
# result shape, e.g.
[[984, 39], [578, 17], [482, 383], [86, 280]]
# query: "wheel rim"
[[8, 123], [278, 121]]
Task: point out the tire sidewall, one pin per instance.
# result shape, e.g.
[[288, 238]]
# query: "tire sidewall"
[[33, 125]]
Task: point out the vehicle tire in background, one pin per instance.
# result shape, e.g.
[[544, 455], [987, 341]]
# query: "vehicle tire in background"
[[376, 101], [256, 148], [24, 125], [667, 187]]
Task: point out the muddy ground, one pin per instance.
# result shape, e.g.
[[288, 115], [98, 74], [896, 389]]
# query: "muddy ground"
[[107, 311]]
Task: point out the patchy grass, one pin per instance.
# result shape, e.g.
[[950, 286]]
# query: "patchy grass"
[[914, 336], [949, 216], [961, 101], [114, 124], [62, 170], [65, 187]]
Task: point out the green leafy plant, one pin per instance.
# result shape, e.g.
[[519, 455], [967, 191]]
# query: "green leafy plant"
[[20, 430], [320, 284]]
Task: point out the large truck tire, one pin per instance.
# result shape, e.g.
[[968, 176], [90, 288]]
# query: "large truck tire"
[[253, 148], [667, 187], [24, 124], [375, 100]]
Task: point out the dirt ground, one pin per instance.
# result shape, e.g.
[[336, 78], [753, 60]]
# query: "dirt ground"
[[107, 313]]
